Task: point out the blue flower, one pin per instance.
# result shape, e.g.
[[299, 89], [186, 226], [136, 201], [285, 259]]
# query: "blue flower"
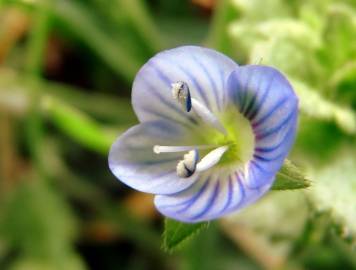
[[212, 134]]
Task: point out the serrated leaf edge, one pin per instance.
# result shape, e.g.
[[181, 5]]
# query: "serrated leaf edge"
[[170, 250]]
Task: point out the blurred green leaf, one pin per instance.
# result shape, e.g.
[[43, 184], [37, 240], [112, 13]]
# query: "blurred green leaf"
[[78, 126], [314, 105], [335, 191], [343, 83], [269, 228], [15, 96], [279, 43], [38, 40], [209, 251], [317, 141], [340, 29], [177, 233], [290, 177], [262, 10], [70, 262], [80, 20], [138, 13], [218, 37], [37, 221], [293, 29], [59, 105]]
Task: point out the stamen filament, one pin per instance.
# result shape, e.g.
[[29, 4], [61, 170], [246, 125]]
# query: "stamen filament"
[[207, 116], [172, 149], [211, 159], [180, 91]]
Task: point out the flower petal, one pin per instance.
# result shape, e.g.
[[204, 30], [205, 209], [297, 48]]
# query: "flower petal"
[[133, 161], [204, 70], [264, 96], [210, 197]]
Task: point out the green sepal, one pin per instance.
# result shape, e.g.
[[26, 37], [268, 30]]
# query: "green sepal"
[[176, 233], [290, 177]]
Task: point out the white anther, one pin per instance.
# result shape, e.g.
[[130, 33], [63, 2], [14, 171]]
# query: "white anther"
[[211, 159], [191, 159], [186, 167], [182, 170], [180, 91]]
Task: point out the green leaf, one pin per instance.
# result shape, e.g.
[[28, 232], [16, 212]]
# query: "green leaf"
[[314, 105], [36, 220], [290, 177], [261, 10], [177, 233], [343, 81], [279, 43], [339, 30], [335, 191]]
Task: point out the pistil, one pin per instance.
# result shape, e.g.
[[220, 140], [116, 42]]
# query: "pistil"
[[211, 159]]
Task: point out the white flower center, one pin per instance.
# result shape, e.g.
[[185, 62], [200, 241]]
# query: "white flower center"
[[189, 164]]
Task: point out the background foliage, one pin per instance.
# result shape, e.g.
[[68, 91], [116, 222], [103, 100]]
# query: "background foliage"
[[65, 77]]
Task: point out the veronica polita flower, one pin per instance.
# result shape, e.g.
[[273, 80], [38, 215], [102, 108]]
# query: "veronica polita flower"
[[212, 134]]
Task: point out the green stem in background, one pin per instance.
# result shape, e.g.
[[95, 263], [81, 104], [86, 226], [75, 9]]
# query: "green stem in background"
[[82, 22], [38, 40], [218, 37], [78, 126], [7, 153], [139, 16], [33, 69], [71, 111], [79, 19], [15, 97]]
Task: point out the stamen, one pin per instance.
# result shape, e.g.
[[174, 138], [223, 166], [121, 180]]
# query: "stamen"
[[181, 92], [183, 171], [207, 116], [172, 149], [211, 159], [187, 166], [191, 159]]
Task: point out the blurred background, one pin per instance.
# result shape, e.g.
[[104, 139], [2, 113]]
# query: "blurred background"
[[66, 69]]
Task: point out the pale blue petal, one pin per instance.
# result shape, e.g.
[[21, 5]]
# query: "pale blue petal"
[[264, 96], [133, 161], [211, 197], [204, 70]]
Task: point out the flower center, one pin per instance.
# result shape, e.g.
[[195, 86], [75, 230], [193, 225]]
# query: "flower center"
[[228, 142]]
